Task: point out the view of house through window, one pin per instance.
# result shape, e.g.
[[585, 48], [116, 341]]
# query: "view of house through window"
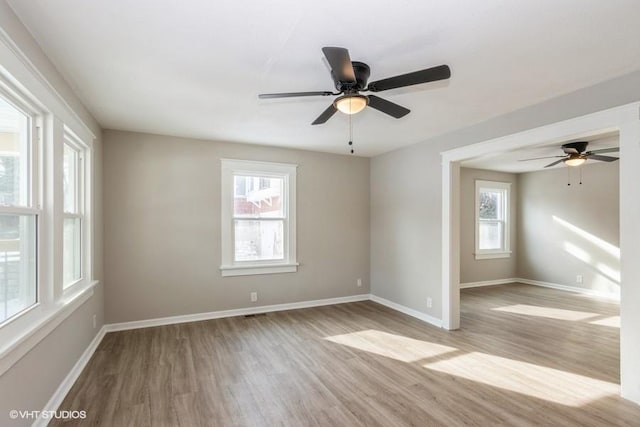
[[492, 216], [18, 218], [258, 215]]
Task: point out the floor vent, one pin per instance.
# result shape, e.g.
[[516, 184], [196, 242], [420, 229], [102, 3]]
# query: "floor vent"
[[255, 315]]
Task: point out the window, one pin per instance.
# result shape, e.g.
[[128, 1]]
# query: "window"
[[258, 218], [492, 219], [45, 210], [73, 200], [18, 211]]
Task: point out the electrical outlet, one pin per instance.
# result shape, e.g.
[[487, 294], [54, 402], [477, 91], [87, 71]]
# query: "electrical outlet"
[[359, 282], [579, 278], [254, 296], [95, 322], [429, 302]]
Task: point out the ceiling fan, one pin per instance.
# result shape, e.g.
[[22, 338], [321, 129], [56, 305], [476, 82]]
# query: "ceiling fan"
[[350, 78], [575, 154]]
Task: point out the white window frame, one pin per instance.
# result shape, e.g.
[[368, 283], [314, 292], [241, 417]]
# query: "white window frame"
[[81, 149], [20, 333], [33, 205], [232, 167], [505, 189]]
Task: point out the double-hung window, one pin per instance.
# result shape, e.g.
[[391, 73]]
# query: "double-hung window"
[[258, 217], [492, 219], [73, 195], [19, 209], [45, 210]]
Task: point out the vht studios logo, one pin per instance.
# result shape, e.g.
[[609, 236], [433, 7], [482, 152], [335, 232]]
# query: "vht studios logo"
[[47, 415]]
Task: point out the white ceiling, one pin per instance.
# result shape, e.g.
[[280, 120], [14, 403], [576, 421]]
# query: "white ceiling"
[[194, 67], [511, 161]]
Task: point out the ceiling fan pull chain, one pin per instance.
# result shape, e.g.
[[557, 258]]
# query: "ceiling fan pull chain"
[[580, 167], [568, 176], [350, 134]]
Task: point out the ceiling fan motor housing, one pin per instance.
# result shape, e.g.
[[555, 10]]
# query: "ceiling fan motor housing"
[[575, 147], [362, 73]]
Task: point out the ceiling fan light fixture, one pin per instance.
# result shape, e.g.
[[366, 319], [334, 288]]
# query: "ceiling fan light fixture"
[[575, 160], [351, 104]]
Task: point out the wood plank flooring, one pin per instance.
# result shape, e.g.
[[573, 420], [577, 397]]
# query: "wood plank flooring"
[[524, 356]]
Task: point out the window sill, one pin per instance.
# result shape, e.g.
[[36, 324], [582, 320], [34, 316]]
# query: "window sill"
[[248, 270], [43, 326], [494, 255]]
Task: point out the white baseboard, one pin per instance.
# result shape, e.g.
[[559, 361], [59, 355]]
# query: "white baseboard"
[[487, 283], [56, 400], [75, 372], [585, 291], [232, 313], [406, 310], [72, 376]]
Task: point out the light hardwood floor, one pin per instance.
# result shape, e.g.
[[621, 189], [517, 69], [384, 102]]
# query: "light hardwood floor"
[[524, 356]]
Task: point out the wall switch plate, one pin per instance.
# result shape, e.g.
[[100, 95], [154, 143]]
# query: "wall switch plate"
[[359, 282], [95, 323], [254, 296], [579, 278], [429, 303]]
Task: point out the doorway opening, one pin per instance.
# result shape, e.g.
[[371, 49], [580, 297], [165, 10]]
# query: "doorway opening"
[[622, 120]]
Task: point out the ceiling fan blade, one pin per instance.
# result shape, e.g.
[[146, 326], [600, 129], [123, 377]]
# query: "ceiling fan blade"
[[340, 62], [388, 107], [326, 115], [441, 72], [293, 94], [554, 163], [540, 158], [602, 158], [605, 150]]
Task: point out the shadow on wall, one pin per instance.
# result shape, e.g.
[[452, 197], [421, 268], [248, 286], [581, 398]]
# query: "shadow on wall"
[[599, 255]]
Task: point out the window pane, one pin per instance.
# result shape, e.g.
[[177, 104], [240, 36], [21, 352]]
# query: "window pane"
[[70, 179], [258, 197], [490, 204], [490, 234], [14, 156], [17, 264], [259, 240], [71, 262]]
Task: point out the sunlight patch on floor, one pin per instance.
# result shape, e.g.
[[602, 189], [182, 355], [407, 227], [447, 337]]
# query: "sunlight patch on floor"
[[540, 382], [613, 321], [389, 345], [548, 312]]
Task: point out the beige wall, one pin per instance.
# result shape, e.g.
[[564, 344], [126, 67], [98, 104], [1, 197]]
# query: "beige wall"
[[551, 251], [471, 269], [162, 227], [30, 383], [405, 227]]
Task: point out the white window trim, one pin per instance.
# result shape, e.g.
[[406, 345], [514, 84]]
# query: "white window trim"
[[51, 117], [230, 167], [32, 205], [504, 252], [83, 153]]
